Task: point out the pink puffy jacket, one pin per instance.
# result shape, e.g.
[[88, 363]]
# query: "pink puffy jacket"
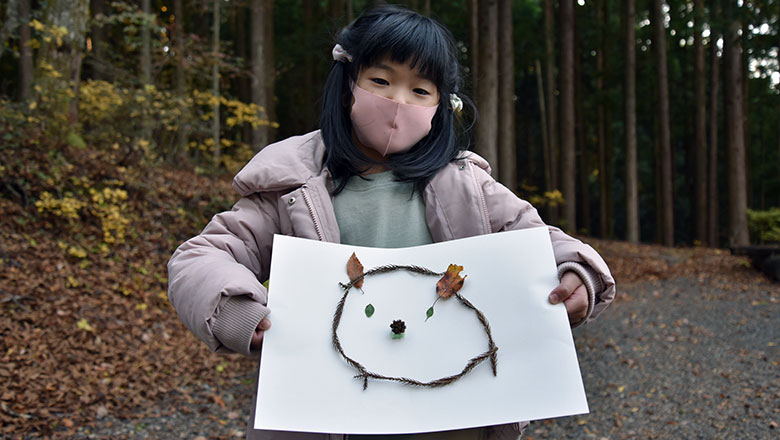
[[215, 277]]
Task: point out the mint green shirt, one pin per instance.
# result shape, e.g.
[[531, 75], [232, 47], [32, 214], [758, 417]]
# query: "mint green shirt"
[[380, 212], [377, 211]]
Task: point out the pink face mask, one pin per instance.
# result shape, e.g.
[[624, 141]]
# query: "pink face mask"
[[388, 126]]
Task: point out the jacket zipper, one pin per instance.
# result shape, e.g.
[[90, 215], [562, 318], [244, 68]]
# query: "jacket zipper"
[[482, 202], [307, 200]]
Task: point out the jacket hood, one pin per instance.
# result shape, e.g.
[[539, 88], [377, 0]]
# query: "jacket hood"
[[286, 164], [292, 162]]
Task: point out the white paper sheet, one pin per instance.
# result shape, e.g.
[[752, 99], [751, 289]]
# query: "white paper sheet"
[[305, 384]]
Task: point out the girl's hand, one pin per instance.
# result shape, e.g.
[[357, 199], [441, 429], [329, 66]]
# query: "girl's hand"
[[574, 294], [257, 337]]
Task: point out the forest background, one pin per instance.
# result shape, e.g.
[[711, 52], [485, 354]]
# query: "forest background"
[[638, 120], [121, 123]]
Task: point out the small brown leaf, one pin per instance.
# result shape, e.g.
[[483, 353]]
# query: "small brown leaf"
[[354, 270], [451, 282]]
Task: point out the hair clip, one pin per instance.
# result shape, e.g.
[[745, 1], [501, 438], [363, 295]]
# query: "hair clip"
[[456, 102], [340, 54]]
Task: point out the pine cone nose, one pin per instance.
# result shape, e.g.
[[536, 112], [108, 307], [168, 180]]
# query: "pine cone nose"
[[398, 326]]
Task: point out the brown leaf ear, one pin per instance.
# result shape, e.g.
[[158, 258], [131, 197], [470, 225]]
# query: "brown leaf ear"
[[354, 270], [451, 282]]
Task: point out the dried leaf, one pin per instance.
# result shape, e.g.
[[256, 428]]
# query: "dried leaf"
[[355, 269], [451, 282]]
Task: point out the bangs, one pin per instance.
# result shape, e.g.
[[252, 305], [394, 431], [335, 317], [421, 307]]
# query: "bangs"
[[411, 39]]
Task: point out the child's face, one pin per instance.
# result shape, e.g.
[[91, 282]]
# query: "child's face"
[[399, 82]]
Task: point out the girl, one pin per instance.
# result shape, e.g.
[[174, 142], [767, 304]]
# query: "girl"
[[384, 170]]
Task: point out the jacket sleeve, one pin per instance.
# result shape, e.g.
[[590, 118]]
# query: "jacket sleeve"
[[509, 212], [214, 278]]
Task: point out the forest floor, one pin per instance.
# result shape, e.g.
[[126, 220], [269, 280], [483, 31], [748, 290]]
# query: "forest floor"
[[91, 348]]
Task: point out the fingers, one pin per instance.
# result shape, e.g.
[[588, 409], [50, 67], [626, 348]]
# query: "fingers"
[[577, 305], [570, 282], [574, 295], [257, 337]]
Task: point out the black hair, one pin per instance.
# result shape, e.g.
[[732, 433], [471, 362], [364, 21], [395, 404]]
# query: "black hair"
[[407, 37]]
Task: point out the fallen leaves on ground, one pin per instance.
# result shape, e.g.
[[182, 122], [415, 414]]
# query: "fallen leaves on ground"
[[87, 330]]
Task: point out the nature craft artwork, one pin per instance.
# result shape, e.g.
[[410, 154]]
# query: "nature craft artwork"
[[447, 286]]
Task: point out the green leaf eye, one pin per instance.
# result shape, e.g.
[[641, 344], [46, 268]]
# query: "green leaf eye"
[[429, 313], [369, 310]]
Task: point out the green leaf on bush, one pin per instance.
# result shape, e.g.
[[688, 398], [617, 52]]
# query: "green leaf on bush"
[[75, 140]]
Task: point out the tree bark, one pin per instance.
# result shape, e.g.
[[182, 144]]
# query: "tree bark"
[[566, 76], [307, 97], [507, 165], [146, 63], [270, 70], [180, 82], [602, 123], [735, 135], [259, 47], [543, 119], [584, 157], [98, 35], [215, 84], [700, 80], [25, 52], [487, 86], [664, 133], [146, 44], [552, 110], [66, 59], [629, 114], [474, 43]]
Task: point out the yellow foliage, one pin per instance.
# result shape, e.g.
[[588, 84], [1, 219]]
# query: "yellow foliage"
[[77, 252], [67, 207], [549, 198], [83, 324]]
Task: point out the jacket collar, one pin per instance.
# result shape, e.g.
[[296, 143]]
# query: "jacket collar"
[[293, 162], [283, 165]]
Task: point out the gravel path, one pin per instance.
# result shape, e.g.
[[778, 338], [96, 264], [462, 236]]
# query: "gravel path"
[[678, 358]]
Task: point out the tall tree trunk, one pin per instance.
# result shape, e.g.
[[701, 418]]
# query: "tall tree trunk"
[[307, 97], [259, 47], [507, 165], [732, 65], [146, 44], [25, 52], [552, 109], [700, 79], [487, 86], [664, 131], [582, 147], [99, 43], [543, 118], [350, 11], [568, 169], [180, 82], [215, 84], [629, 115], [602, 122], [146, 62], [270, 70], [244, 91], [473, 6], [66, 59]]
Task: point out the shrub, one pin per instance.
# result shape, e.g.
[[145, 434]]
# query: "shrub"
[[764, 226]]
